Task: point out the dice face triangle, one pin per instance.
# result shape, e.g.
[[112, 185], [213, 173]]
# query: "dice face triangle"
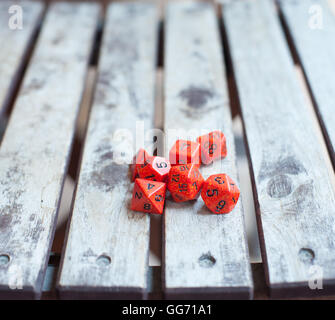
[[158, 199], [148, 196], [149, 187], [139, 199]]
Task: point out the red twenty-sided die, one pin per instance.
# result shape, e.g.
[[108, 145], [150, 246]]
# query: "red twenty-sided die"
[[185, 182]]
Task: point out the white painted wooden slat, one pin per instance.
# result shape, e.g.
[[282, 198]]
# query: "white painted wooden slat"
[[205, 255], [36, 146], [106, 254], [294, 192], [312, 26], [15, 39]]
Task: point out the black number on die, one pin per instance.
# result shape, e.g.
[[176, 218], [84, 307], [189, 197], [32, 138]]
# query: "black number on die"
[[175, 177], [210, 193], [220, 205], [218, 180], [147, 206], [150, 186], [212, 148], [138, 195], [182, 187], [161, 165]]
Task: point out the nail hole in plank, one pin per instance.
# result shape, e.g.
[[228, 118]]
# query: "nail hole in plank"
[[207, 260], [4, 259], [306, 255], [104, 260]]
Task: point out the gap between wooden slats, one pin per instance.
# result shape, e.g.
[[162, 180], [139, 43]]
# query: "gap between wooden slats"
[[204, 255], [293, 188], [106, 253], [36, 146]]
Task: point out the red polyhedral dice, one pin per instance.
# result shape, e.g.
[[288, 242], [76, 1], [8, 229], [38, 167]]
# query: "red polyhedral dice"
[[140, 158], [148, 196], [155, 168], [220, 193], [184, 152], [213, 146], [185, 182]]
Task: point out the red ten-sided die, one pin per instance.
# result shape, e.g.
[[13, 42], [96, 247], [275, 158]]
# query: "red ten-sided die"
[[220, 193], [140, 158], [184, 152], [185, 182], [213, 146], [148, 196], [155, 168]]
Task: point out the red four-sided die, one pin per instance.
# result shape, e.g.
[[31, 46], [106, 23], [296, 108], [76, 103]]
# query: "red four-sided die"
[[184, 152], [148, 196], [185, 182], [213, 146], [220, 193], [155, 168]]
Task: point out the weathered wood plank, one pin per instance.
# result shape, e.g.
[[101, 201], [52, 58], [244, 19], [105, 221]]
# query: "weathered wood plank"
[[15, 44], [36, 146], [293, 189], [311, 24], [108, 244], [205, 255]]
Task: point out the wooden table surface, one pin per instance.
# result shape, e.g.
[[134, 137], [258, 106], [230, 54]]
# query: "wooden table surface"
[[76, 73]]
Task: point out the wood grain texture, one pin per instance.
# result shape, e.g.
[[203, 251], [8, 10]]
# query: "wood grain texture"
[[205, 255], [107, 249], [293, 189], [15, 45], [314, 43], [36, 146]]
